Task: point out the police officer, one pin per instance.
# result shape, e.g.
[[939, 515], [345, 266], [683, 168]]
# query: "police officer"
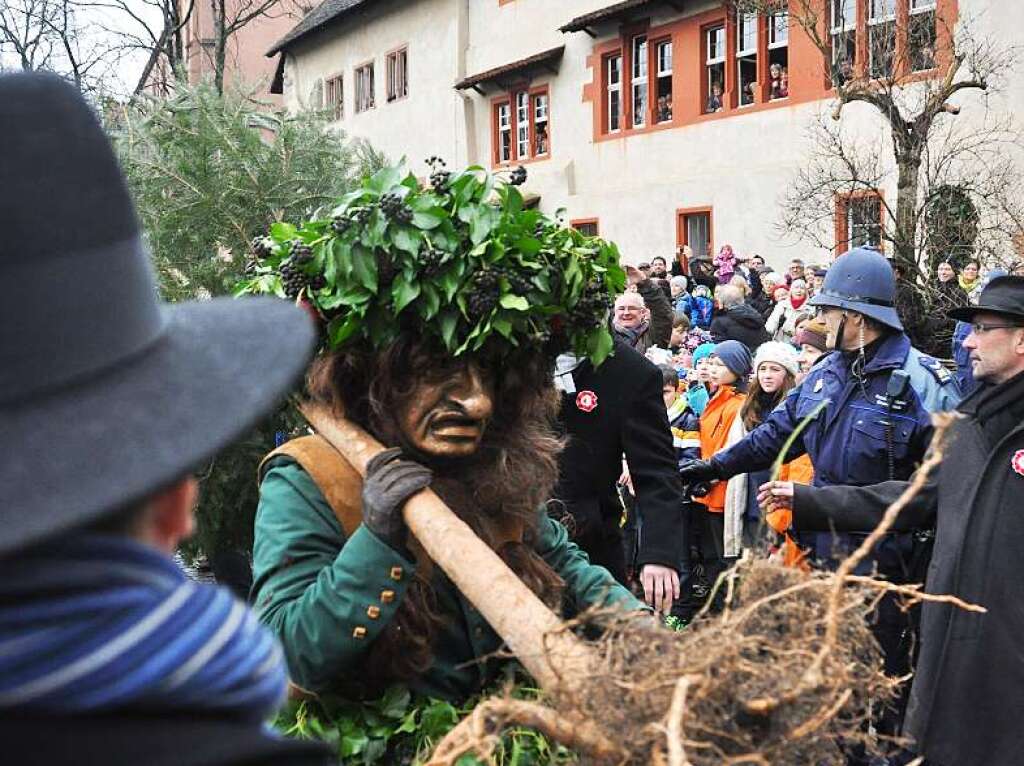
[[875, 426]]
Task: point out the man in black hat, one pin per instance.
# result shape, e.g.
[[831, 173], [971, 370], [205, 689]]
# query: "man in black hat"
[[968, 691], [108, 399]]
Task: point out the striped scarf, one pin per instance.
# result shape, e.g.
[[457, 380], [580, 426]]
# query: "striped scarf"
[[93, 624]]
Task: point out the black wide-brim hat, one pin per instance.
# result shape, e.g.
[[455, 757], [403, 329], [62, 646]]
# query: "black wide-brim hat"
[[1003, 295], [106, 394]]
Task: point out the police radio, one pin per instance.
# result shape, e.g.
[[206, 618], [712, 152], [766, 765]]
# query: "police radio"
[[895, 399]]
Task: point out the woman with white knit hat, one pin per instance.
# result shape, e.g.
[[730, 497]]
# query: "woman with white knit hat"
[[775, 370]]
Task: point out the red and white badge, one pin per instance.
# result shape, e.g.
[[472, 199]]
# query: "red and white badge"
[[586, 401], [1016, 462]]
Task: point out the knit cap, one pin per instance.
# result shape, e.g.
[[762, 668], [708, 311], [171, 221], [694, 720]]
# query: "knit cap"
[[781, 354], [703, 351], [812, 333], [678, 281], [735, 356]]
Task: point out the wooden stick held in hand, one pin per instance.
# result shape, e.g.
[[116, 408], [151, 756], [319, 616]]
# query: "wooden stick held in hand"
[[535, 634]]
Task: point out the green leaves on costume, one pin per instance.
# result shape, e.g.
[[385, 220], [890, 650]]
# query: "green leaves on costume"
[[460, 260]]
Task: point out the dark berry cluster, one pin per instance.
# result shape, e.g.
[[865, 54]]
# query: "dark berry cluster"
[[262, 247], [518, 281], [483, 294], [386, 269], [431, 263], [293, 279], [593, 305], [395, 208], [518, 176], [359, 216], [300, 252], [439, 175]]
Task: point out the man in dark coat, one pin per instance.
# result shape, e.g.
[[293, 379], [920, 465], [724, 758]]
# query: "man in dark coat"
[[736, 320], [108, 400], [614, 410], [968, 690]]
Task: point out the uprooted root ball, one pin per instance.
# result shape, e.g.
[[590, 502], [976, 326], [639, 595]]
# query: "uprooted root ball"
[[749, 685]]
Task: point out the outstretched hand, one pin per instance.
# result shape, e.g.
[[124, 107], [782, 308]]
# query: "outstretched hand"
[[661, 586]]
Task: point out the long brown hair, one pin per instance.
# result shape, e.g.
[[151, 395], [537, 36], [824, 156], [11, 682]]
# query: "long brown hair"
[[759, 403], [504, 484]]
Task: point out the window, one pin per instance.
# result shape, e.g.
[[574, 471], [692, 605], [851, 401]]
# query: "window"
[[586, 226], [715, 68], [881, 37], [503, 117], [921, 35], [336, 96], [746, 56], [638, 81], [397, 74], [844, 40], [859, 220], [778, 55], [540, 124], [522, 125], [614, 100], [364, 87], [663, 93], [695, 231]]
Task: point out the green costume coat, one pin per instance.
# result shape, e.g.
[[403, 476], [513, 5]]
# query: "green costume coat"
[[328, 598]]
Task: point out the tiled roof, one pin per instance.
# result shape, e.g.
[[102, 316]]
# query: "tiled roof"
[[609, 13], [508, 71], [327, 11]]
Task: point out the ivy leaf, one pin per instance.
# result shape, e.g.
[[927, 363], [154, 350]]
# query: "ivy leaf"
[[384, 179], [405, 239], [431, 302], [448, 321], [283, 232], [428, 219], [502, 325], [450, 284], [353, 744], [403, 292], [395, 702], [365, 267], [341, 329], [599, 346], [528, 246], [484, 220], [514, 302]]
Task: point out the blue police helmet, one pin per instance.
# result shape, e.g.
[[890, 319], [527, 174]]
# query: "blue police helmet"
[[861, 281]]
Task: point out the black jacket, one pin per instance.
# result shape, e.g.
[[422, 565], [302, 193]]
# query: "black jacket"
[[140, 740], [629, 418], [740, 323], [968, 691]]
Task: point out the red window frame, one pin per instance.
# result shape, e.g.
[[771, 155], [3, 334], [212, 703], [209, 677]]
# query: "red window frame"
[[510, 99], [842, 224]]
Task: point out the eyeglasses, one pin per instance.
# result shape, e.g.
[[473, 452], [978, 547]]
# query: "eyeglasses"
[[982, 327]]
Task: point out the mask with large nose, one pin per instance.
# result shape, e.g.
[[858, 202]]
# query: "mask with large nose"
[[447, 412]]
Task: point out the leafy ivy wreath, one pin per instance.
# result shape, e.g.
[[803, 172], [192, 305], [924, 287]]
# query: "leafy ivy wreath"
[[458, 260]]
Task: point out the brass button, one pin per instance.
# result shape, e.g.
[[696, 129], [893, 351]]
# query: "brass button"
[[373, 612], [396, 573], [359, 632], [387, 596]]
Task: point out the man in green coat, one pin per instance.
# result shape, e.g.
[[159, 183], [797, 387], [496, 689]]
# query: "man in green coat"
[[450, 364]]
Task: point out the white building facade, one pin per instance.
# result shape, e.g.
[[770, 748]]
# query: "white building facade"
[[654, 124]]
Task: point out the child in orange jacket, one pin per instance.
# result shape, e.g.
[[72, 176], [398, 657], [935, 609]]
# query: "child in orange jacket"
[[730, 367]]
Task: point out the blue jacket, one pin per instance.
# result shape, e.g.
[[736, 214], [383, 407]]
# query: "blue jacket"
[[701, 312], [685, 426], [848, 441]]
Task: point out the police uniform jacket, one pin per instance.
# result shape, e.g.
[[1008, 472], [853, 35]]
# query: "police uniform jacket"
[[859, 434]]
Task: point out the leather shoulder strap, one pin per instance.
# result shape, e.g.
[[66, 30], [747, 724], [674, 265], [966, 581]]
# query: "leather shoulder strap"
[[333, 475]]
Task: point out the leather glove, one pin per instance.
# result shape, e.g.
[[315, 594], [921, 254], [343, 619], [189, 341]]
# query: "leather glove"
[[700, 470], [700, 489], [390, 481]]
